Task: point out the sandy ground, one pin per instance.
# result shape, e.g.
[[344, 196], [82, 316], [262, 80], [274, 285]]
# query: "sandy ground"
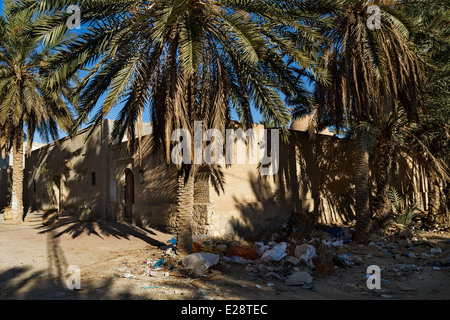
[[34, 260]]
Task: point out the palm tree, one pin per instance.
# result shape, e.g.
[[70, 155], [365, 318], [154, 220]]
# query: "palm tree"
[[26, 103], [186, 61], [372, 72], [432, 36], [423, 142], [413, 157]]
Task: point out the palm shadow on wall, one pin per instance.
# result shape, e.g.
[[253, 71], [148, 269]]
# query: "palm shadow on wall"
[[320, 169], [75, 165]]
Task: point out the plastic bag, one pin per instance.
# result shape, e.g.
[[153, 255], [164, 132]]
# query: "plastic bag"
[[277, 253], [305, 253], [200, 262]]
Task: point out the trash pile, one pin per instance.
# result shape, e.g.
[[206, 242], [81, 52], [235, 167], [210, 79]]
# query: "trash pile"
[[272, 260], [289, 257], [292, 260]]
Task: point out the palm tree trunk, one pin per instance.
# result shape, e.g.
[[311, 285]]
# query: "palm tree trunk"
[[362, 189], [17, 179], [433, 200], [381, 203], [185, 207]]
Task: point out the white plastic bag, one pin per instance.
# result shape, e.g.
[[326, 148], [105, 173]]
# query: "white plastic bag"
[[207, 259], [200, 260], [276, 253], [305, 253]]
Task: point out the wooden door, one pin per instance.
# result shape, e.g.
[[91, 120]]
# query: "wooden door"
[[129, 194]]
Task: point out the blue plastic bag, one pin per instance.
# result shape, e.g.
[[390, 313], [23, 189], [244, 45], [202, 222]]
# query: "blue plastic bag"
[[173, 241], [158, 264]]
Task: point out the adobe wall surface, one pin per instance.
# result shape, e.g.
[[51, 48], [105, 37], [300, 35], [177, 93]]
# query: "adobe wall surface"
[[155, 187], [315, 177], [79, 171]]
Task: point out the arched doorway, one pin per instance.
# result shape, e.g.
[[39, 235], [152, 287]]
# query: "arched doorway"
[[129, 194]]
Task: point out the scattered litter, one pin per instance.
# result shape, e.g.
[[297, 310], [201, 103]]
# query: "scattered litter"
[[238, 260], [244, 251], [305, 253], [169, 252], [436, 250], [159, 263], [292, 259], [173, 241], [276, 253], [336, 243], [199, 262]]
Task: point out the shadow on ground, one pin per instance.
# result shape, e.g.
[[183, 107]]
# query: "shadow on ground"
[[119, 230]]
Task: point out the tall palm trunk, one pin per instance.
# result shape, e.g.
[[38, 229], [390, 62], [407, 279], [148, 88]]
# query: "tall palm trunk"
[[17, 179], [381, 202], [186, 180], [185, 207], [362, 189], [433, 200]]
